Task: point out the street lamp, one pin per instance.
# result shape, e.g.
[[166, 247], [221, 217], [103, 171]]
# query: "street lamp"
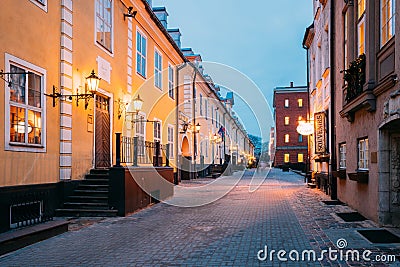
[[307, 129]]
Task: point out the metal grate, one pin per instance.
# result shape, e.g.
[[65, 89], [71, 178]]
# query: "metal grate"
[[26, 213]]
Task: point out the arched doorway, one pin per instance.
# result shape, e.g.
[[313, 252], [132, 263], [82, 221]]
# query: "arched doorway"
[[186, 160]]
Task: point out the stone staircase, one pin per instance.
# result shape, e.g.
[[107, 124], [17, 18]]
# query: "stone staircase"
[[90, 197]]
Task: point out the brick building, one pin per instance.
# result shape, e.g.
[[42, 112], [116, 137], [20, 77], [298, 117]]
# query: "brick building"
[[290, 107]]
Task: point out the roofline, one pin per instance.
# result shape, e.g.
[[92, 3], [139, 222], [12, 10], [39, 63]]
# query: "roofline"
[[163, 30]]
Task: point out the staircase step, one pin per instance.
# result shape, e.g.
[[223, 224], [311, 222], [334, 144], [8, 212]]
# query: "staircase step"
[[86, 205], [96, 181], [100, 193], [89, 199], [92, 176], [96, 187], [86, 213], [99, 171]]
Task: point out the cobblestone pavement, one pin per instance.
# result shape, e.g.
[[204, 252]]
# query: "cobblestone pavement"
[[282, 214]]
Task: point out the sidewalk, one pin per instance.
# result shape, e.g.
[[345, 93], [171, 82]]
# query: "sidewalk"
[[282, 214]]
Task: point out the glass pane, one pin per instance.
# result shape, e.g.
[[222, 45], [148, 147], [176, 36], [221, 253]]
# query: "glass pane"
[[34, 90], [35, 127], [18, 82], [17, 124], [143, 47]]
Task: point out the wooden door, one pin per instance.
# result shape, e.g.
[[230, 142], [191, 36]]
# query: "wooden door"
[[102, 132]]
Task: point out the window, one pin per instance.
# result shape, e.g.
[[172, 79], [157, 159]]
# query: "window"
[[286, 120], [157, 69], [104, 23], [286, 158], [24, 107], [342, 156], [201, 105], [41, 4], [157, 130], [141, 54], [286, 138], [300, 102], [171, 141], [363, 154], [300, 138], [300, 157], [361, 27], [300, 118], [286, 103], [171, 91], [140, 133], [345, 33], [387, 20]]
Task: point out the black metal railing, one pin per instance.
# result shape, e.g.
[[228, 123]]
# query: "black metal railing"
[[135, 151], [354, 77], [30, 208]]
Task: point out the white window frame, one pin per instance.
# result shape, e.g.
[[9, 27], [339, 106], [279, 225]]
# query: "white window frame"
[[25, 147], [390, 22], [139, 54], [157, 69], [171, 132], [201, 104], [171, 89], [157, 122], [96, 17], [363, 157], [286, 103], [140, 132], [42, 4], [342, 156]]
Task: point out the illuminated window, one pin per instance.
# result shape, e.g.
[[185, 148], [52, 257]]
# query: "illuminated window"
[[361, 27], [300, 118], [286, 158], [300, 157], [286, 120], [286, 138], [300, 102], [24, 107], [104, 23], [363, 154], [342, 156], [387, 20], [286, 103], [157, 69]]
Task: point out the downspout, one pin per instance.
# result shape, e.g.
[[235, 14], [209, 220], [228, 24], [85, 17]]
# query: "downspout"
[[307, 178], [332, 102]]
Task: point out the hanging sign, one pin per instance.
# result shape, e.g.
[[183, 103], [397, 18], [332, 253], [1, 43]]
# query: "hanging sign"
[[320, 132]]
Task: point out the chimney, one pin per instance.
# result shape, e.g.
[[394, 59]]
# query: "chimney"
[[176, 35], [291, 84], [162, 15]]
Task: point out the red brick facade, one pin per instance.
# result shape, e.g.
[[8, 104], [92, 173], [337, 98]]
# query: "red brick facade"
[[296, 145]]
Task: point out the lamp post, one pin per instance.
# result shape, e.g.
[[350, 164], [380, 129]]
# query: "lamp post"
[[306, 128]]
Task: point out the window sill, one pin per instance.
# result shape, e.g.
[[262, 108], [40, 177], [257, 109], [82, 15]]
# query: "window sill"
[[365, 100], [360, 176], [18, 147]]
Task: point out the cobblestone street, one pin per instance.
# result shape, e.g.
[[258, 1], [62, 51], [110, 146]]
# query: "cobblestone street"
[[282, 214]]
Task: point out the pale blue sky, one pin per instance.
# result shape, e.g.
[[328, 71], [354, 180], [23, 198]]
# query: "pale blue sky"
[[262, 39]]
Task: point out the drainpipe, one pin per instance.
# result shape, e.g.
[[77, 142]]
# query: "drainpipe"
[[307, 178], [333, 184]]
